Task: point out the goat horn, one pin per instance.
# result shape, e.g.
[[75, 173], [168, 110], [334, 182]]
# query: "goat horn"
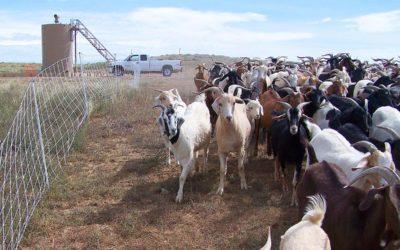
[[306, 71], [159, 106], [353, 101], [217, 90], [285, 104], [243, 88], [371, 87], [391, 131], [288, 90], [382, 86], [330, 55], [283, 79], [310, 58], [307, 117], [391, 177], [301, 105], [289, 70], [158, 90], [366, 144], [201, 80], [279, 117]]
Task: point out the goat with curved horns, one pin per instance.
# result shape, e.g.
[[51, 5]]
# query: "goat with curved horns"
[[289, 136]]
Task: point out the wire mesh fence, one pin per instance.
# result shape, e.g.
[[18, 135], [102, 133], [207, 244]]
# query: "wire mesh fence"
[[55, 105]]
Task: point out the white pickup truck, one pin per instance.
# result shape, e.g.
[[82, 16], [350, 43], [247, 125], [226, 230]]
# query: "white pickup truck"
[[146, 64]]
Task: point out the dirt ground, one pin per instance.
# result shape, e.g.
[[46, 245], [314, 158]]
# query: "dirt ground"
[[117, 192]]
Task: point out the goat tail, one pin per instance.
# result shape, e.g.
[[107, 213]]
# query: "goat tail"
[[315, 210], [268, 244]]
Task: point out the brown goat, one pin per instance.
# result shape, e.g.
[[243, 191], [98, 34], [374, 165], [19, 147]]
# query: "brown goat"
[[337, 88], [294, 99], [355, 219], [269, 100], [211, 95], [200, 79]]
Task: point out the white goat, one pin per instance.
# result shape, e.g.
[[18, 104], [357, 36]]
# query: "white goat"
[[280, 74], [232, 133], [187, 135], [313, 128], [387, 117], [254, 110], [168, 98], [332, 147], [308, 234], [257, 74], [360, 85]]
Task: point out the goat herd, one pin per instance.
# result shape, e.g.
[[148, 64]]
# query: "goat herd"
[[343, 114]]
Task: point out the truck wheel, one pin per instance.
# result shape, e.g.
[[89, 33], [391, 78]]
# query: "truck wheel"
[[167, 71], [118, 71]]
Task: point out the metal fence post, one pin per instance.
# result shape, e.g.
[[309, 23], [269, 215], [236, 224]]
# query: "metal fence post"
[[40, 132], [84, 88]]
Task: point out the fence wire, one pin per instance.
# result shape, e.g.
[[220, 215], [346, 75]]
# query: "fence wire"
[[55, 105]]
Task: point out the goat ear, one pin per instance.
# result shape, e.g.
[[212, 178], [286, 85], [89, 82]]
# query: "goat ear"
[[180, 121], [363, 163], [160, 121], [369, 198], [238, 100], [215, 106]]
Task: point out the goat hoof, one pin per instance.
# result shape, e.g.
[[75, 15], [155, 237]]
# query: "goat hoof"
[[243, 186], [178, 199], [220, 191]]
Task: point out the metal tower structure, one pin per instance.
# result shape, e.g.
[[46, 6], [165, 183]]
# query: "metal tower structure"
[[78, 26]]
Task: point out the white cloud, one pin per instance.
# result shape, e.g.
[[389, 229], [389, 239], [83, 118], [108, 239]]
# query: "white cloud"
[[219, 32], [376, 22], [19, 42], [326, 19], [158, 31]]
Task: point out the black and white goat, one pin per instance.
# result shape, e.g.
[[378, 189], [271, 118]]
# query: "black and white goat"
[[289, 136], [187, 135]]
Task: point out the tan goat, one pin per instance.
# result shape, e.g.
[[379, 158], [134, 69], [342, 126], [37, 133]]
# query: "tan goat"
[[232, 133]]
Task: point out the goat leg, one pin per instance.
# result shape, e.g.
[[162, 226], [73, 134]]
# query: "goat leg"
[[186, 168], [205, 157], [277, 167], [269, 146], [223, 157], [242, 155], [295, 181]]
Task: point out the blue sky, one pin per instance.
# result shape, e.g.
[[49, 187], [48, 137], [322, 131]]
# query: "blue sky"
[[364, 29]]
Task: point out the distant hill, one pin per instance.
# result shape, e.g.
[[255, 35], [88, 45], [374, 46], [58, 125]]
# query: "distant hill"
[[198, 57]]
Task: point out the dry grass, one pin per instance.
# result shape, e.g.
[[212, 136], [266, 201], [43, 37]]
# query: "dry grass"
[[11, 93], [116, 192], [19, 69]]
